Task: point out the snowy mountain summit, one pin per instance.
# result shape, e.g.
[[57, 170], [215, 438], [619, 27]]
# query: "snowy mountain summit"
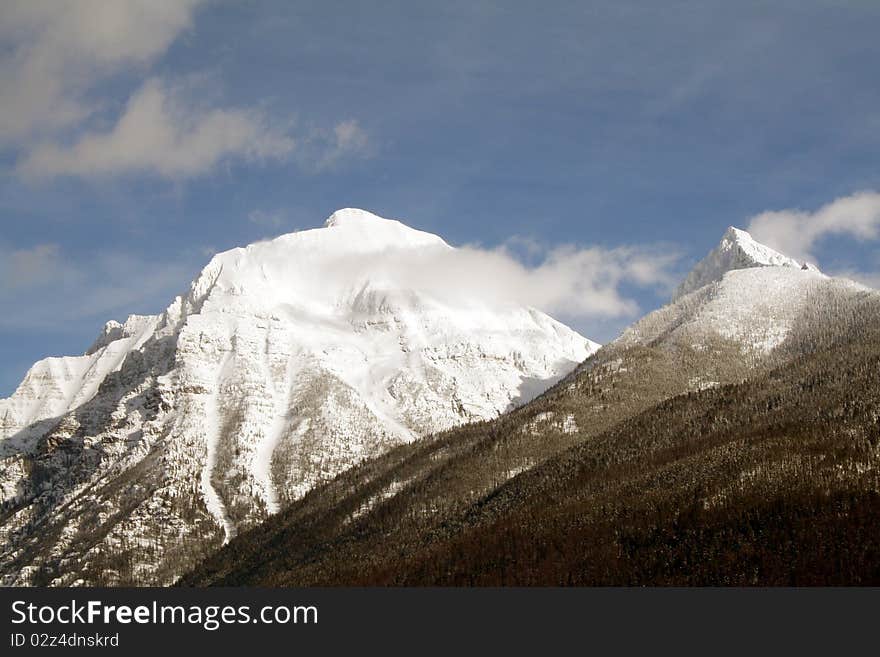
[[287, 362], [744, 294], [737, 250]]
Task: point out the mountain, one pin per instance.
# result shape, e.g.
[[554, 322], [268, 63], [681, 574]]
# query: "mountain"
[[730, 437], [286, 363]]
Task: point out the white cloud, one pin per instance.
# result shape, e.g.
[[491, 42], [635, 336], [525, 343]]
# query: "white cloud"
[[795, 232], [54, 54], [55, 50], [569, 282], [160, 132]]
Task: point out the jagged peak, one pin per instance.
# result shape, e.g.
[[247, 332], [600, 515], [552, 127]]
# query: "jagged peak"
[[113, 331], [736, 250], [759, 253]]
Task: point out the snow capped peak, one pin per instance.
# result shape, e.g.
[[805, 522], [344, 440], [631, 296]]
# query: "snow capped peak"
[[316, 271], [760, 255], [369, 231], [312, 268], [736, 250], [345, 216]]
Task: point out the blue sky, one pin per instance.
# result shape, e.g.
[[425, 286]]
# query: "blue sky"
[[136, 138]]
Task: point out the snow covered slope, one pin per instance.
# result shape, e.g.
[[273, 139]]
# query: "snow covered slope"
[[54, 386], [742, 292], [287, 362]]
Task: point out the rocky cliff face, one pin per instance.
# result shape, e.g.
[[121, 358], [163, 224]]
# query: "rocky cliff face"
[[286, 362]]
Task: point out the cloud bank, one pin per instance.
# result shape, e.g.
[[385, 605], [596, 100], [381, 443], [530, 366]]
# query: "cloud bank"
[[577, 283], [566, 281], [796, 232]]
